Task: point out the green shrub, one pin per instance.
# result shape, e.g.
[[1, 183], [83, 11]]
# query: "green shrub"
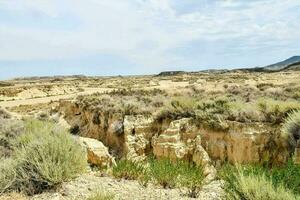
[[261, 182], [45, 156], [164, 172], [291, 128], [288, 176], [191, 177], [129, 170], [100, 195], [180, 173]]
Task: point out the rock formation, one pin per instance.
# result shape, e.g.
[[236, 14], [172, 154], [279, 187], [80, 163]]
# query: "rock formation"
[[97, 153], [136, 136]]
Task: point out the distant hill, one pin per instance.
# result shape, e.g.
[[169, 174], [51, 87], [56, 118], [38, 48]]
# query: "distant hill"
[[293, 63], [170, 73], [288, 64]]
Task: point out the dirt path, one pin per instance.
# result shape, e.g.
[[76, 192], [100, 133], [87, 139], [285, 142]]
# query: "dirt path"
[[9, 104]]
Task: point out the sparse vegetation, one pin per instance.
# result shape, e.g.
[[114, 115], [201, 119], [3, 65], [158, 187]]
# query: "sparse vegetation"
[[44, 157], [101, 195], [167, 173]]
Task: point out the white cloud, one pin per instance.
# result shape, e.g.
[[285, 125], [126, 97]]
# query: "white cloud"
[[144, 31]]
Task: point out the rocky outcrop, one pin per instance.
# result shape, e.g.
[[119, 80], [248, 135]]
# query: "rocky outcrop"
[[134, 137], [181, 141], [137, 133], [97, 153], [103, 126], [250, 143]]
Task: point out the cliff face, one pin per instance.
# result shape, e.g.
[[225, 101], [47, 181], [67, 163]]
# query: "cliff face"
[[136, 136]]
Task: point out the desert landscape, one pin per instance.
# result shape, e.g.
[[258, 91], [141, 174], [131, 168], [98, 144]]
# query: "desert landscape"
[[176, 135], [149, 100]]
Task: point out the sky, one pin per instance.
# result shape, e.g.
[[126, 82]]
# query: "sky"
[[124, 37]]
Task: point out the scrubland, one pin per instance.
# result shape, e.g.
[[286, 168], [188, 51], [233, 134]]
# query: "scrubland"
[[41, 155]]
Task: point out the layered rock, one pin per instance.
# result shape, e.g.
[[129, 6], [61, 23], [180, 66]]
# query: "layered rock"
[[181, 141], [137, 133], [133, 137], [251, 143], [103, 126], [97, 153]]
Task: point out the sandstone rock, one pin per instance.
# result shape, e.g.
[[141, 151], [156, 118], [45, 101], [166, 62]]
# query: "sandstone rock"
[[133, 137], [181, 142], [250, 143], [138, 133], [97, 153]]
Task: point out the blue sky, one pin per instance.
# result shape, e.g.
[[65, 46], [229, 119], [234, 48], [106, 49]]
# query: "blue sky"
[[112, 37]]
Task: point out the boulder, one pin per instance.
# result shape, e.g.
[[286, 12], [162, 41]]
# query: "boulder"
[[97, 153]]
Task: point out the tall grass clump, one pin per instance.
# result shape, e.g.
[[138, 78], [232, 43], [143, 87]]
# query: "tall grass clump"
[[291, 128], [45, 156], [128, 170], [171, 174], [254, 183], [164, 172]]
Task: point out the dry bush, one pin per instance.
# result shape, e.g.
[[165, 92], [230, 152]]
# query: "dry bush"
[[9, 131], [291, 128], [276, 111], [45, 156]]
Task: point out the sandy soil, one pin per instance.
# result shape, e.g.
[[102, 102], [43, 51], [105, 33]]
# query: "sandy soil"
[[85, 185], [31, 101]]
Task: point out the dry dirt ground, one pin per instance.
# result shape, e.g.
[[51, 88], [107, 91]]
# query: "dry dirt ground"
[[85, 185], [18, 92]]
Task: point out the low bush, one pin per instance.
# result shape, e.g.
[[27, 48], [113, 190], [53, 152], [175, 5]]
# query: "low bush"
[[45, 156], [276, 111], [291, 128], [177, 108]]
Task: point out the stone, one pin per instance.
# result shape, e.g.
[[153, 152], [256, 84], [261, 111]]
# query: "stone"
[[97, 153]]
